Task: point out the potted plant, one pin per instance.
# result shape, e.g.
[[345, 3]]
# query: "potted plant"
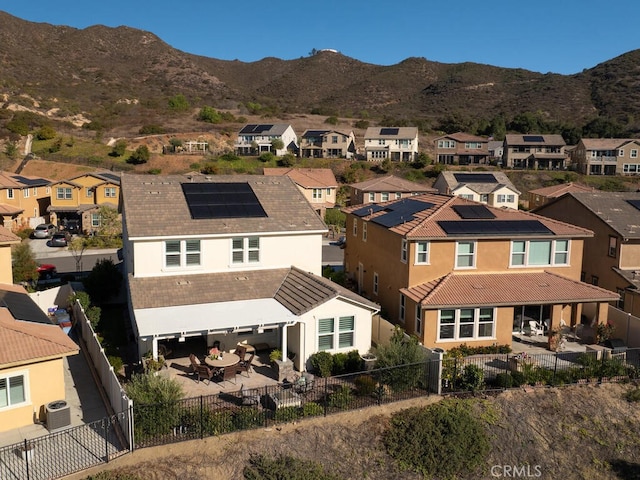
[[369, 360], [26, 450], [276, 354]]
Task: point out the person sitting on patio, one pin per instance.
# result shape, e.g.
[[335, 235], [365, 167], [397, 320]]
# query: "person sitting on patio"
[[214, 351]]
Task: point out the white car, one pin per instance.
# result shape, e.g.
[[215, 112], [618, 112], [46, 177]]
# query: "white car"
[[44, 230]]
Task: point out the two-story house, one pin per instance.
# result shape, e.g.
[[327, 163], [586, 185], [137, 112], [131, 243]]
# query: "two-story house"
[[399, 144], [612, 256], [540, 196], [254, 139], [461, 149], [231, 258], [327, 144], [492, 188], [453, 271], [607, 156], [79, 199], [496, 149], [383, 189], [32, 353], [23, 200], [318, 185], [533, 151]]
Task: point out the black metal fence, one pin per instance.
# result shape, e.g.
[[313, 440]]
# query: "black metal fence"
[[486, 372], [63, 453], [216, 414]]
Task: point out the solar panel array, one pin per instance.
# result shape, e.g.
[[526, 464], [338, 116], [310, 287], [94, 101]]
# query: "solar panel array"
[[30, 181], [473, 211], [222, 200], [533, 138], [389, 131], [475, 178], [634, 203], [368, 210], [494, 227], [400, 212], [256, 129]]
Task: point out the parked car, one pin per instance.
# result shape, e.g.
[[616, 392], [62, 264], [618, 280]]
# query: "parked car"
[[44, 230], [72, 226], [342, 242], [60, 239], [47, 271]]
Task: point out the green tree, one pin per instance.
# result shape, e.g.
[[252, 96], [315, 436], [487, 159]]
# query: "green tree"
[[332, 120], [209, 115], [119, 148], [110, 224], [277, 144], [179, 103], [24, 265], [11, 150], [141, 155], [18, 125], [46, 132], [103, 282]]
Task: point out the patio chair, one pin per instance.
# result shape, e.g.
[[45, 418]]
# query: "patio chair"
[[245, 365], [204, 373], [535, 328], [249, 396], [195, 361], [241, 351], [227, 373], [305, 383]]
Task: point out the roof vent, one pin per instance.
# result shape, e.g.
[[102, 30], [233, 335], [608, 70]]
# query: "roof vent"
[[183, 282], [242, 278]]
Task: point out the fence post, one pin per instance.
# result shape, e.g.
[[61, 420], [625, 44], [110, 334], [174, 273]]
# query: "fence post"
[[266, 403], [555, 369], [26, 457], [326, 390], [105, 427], [132, 434], [201, 418]]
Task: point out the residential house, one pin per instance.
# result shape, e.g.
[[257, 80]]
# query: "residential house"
[[383, 189], [540, 196], [398, 144], [80, 198], [318, 185], [491, 188], [496, 149], [533, 151], [7, 239], [454, 271], [233, 258], [255, 139], [612, 256], [327, 144], [23, 200], [461, 149], [607, 156]]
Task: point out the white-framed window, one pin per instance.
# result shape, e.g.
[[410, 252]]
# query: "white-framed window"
[[328, 192], [372, 196], [317, 193], [466, 323], [466, 254], [503, 198], [88, 192], [446, 144], [25, 193], [403, 250], [401, 308], [375, 283], [381, 141], [110, 192], [468, 196], [364, 231], [422, 253], [537, 253], [630, 168], [13, 390], [418, 319], [484, 197], [64, 193], [398, 195], [613, 246], [10, 194], [634, 153], [336, 333], [245, 250], [95, 220], [384, 197], [182, 253], [621, 153], [355, 227]]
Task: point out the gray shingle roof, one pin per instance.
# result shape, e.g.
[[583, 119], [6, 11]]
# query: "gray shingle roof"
[[156, 206], [614, 209]]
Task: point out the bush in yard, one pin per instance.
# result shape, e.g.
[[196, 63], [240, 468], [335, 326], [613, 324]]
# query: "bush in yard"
[[401, 350], [104, 281], [283, 467], [443, 440], [365, 385], [287, 414], [472, 378], [249, 417], [633, 395], [339, 362], [322, 363], [341, 398], [312, 409], [267, 157], [217, 423]]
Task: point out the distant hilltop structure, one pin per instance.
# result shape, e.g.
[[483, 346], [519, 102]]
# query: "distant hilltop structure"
[[315, 51]]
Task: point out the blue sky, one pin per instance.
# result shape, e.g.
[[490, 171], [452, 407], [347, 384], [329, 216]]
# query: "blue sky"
[[560, 36]]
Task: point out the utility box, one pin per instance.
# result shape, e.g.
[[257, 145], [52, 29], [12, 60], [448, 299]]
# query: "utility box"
[[58, 415]]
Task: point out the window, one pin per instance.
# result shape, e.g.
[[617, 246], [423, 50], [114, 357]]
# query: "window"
[[418, 319], [594, 280], [634, 154], [375, 283], [364, 231], [398, 195], [25, 193], [317, 193], [620, 303], [613, 246], [466, 323], [10, 193], [64, 193], [372, 197], [484, 197], [539, 252], [48, 191], [182, 253], [401, 309], [465, 254], [468, 196], [88, 192], [327, 334], [422, 253], [12, 391], [381, 141], [621, 153], [35, 191], [110, 192], [355, 227], [245, 250], [328, 192], [95, 220], [384, 197], [403, 250], [334, 139]]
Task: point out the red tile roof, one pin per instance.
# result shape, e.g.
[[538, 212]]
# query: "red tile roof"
[[307, 177], [557, 190]]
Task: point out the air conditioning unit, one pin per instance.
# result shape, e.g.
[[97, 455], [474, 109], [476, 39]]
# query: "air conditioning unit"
[[58, 415]]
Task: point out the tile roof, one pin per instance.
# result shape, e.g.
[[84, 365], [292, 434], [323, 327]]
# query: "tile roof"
[[391, 183], [306, 177], [501, 180], [606, 143], [498, 289], [10, 209], [561, 189], [296, 290], [26, 342], [7, 237], [14, 180], [464, 137], [424, 223], [156, 206], [553, 139]]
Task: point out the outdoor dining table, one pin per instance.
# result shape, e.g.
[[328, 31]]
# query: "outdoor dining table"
[[226, 360]]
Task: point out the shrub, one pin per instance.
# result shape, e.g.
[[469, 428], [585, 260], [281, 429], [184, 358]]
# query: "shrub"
[[472, 378], [401, 350], [312, 409], [287, 414], [341, 398], [262, 467], [140, 156], [104, 281], [276, 354], [248, 418], [633, 395], [465, 350], [322, 363], [217, 423], [354, 362], [339, 362], [365, 385], [116, 362], [228, 157], [151, 130], [443, 440], [267, 157]]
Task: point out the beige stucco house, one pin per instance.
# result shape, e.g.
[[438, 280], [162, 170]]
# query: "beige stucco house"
[[398, 144], [461, 149], [534, 151], [492, 188], [23, 200], [318, 185], [607, 156], [383, 189]]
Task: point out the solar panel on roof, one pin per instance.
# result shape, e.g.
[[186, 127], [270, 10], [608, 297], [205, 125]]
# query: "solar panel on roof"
[[222, 200], [255, 128], [473, 211], [494, 227], [389, 131], [533, 138], [22, 307], [30, 181], [400, 212], [634, 203], [475, 178], [368, 210]]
